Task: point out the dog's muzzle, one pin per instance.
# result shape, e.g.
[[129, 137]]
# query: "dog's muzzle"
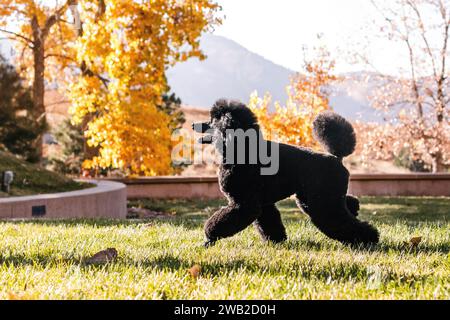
[[203, 127]]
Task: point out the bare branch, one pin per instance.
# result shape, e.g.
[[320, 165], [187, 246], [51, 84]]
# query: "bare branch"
[[56, 17], [413, 6], [55, 55], [101, 9], [28, 40]]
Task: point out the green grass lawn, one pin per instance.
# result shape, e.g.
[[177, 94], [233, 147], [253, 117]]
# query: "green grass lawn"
[[44, 259]]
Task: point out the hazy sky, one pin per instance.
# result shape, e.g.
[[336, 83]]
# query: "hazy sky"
[[277, 29]]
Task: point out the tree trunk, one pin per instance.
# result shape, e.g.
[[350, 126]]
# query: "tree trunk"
[[437, 164], [38, 93], [38, 82]]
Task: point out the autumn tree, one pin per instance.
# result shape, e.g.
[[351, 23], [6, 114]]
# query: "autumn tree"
[[112, 54], [71, 141], [416, 102], [126, 46], [308, 95], [42, 33]]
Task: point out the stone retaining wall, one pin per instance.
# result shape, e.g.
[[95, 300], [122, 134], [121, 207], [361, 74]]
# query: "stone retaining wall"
[[107, 200], [360, 185]]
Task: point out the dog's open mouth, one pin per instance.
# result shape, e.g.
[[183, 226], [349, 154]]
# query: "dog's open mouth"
[[203, 127]]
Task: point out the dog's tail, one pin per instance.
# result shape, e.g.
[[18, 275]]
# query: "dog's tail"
[[335, 133]]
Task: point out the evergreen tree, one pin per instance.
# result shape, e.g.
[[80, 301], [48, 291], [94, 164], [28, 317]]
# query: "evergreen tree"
[[172, 107], [71, 140], [20, 127]]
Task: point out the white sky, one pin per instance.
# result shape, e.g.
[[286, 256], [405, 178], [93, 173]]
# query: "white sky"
[[277, 29]]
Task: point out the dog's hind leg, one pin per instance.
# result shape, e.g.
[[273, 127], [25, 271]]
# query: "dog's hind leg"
[[352, 204], [270, 226], [333, 218], [301, 204], [230, 220]]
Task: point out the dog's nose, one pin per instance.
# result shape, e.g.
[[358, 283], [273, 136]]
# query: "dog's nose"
[[201, 127]]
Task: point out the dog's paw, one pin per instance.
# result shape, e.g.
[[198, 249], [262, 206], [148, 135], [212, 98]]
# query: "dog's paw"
[[353, 205], [209, 243]]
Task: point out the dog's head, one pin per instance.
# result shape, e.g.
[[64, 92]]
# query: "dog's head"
[[225, 115]]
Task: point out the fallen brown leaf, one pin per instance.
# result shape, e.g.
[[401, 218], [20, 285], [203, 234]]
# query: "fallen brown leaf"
[[415, 241], [103, 256], [195, 270]]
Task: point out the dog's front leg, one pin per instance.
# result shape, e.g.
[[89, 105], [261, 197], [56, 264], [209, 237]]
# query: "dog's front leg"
[[230, 220], [270, 226], [352, 204]]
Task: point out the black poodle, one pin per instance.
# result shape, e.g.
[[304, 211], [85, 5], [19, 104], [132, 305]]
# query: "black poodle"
[[319, 181]]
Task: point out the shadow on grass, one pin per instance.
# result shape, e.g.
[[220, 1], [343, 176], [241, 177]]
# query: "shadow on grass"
[[382, 247], [170, 262], [386, 209], [192, 213], [343, 271]]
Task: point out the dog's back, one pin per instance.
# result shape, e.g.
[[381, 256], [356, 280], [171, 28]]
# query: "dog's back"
[[302, 170]]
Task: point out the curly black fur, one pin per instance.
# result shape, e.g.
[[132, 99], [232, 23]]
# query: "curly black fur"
[[335, 133], [319, 182]]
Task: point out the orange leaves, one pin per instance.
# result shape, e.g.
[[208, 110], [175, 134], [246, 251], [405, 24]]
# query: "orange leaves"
[[307, 97]]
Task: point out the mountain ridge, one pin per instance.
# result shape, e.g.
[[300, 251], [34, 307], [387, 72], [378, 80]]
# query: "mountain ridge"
[[232, 71]]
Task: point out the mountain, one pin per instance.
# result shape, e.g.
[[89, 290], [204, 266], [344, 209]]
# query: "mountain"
[[232, 71], [350, 96]]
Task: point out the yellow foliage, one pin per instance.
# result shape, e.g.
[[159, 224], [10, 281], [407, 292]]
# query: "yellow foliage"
[[114, 68], [131, 45], [307, 97], [58, 41]]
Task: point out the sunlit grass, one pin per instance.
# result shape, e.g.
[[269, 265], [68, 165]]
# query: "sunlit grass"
[[44, 259]]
